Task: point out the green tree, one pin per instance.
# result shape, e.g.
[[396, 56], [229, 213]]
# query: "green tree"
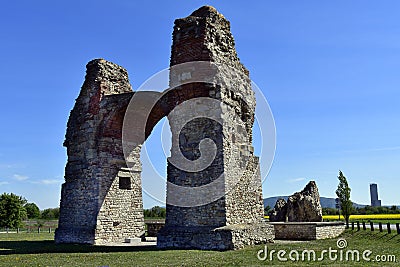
[[50, 214], [343, 193], [393, 208], [155, 212], [329, 211], [267, 209], [12, 210], [32, 210]]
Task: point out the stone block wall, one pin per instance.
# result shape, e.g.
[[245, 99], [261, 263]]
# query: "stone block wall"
[[94, 207], [295, 231], [221, 238], [307, 230], [248, 234], [333, 230], [154, 226]]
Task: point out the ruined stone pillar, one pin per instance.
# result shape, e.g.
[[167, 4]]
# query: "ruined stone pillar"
[[218, 206], [101, 199]]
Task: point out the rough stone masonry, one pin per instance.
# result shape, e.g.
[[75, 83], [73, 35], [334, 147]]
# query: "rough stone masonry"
[[101, 198], [304, 206]]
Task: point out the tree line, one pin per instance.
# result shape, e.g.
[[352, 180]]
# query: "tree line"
[[367, 210], [155, 212], [15, 209]]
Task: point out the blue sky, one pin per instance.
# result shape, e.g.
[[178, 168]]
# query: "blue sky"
[[329, 70]]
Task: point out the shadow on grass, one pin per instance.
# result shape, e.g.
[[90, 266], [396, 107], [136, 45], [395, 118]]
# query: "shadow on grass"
[[48, 246]]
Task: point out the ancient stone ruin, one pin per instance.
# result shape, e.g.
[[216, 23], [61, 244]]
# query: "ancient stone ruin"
[[210, 107], [300, 218], [304, 206], [101, 199]]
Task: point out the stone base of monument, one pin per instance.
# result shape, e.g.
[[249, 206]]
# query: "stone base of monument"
[[133, 240], [76, 235], [211, 238], [307, 230]]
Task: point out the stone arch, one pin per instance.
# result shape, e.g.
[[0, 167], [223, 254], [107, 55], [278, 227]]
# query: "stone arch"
[[102, 198]]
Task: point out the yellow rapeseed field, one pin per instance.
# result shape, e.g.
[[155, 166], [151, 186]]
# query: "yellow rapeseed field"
[[365, 217], [361, 217]]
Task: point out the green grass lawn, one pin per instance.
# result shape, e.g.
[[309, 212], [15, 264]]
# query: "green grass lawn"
[[32, 249]]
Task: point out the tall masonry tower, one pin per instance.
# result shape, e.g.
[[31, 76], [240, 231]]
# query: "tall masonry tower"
[[220, 206], [373, 189]]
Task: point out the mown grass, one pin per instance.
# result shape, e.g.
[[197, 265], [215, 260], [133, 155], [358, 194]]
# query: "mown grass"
[[32, 249]]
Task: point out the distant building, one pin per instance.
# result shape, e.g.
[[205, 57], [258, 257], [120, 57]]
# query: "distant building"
[[373, 189]]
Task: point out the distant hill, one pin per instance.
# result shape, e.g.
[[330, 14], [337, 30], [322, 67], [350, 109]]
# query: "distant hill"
[[326, 202]]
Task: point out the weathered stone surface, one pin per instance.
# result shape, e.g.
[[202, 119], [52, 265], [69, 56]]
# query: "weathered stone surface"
[[278, 213], [307, 230], [154, 226], [304, 206], [222, 238], [205, 36], [101, 198]]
